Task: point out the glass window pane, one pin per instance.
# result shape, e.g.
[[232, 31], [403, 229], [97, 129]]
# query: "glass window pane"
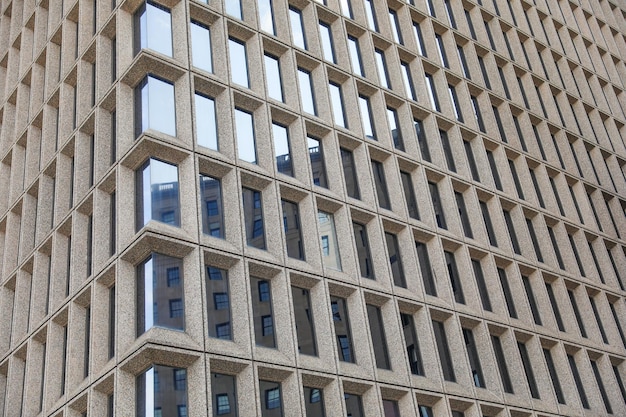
[[246, 146], [326, 38], [341, 322], [157, 396], [272, 74], [366, 117], [394, 126], [328, 237], [314, 402], [157, 193], [455, 279], [303, 316], [370, 14], [354, 405], [336, 99], [224, 389], [437, 206], [395, 259], [426, 269], [474, 359], [349, 172], [355, 56], [153, 29], [262, 311], [253, 218], [318, 166], [381, 185], [201, 47], [271, 399], [409, 195], [281, 149], [306, 91], [412, 344], [297, 28], [206, 123], [432, 92], [408, 81], [444, 352], [293, 234], [233, 8], [238, 62], [218, 303], [212, 209], [382, 68], [377, 332], [363, 250], [155, 107], [266, 18]]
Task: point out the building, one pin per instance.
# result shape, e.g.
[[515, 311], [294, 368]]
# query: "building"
[[312, 208]]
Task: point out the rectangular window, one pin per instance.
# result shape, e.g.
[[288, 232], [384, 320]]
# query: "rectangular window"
[[463, 61], [533, 238], [318, 166], [355, 56], [303, 316], [246, 143], [395, 27], [554, 376], [206, 122], [155, 106], [273, 78], [293, 234], [354, 405], [471, 160], [330, 248], [395, 260], [253, 218], [518, 185], [218, 303], [596, 314], [455, 279], [528, 370], [483, 70], [474, 360], [491, 234], [419, 39], [306, 91], [336, 100], [350, 174], [370, 14], [555, 307], [478, 114], [409, 195], [531, 300], [467, 227], [482, 286], [224, 392], [341, 323], [412, 344], [450, 14], [437, 206], [201, 47], [394, 126], [266, 16], [432, 92], [603, 393], [326, 39], [620, 383], [363, 250], [511, 228], [408, 81], [578, 381], [426, 269], [533, 177], [381, 185], [157, 193], [381, 64], [212, 209], [314, 402], [87, 341], [456, 106], [508, 295], [442, 50], [447, 150], [421, 140], [271, 399], [470, 24], [297, 28], [261, 293], [282, 149], [238, 62], [494, 169], [366, 117], [501, 361], [444, 352], [579, 320], [111, 321], [377, 332], [576, 255], [153, 29], [233, 8]]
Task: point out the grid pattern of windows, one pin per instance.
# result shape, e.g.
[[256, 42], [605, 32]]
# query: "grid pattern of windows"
[[446, 179]]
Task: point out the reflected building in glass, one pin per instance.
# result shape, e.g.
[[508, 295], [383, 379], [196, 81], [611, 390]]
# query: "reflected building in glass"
[[276, 208]]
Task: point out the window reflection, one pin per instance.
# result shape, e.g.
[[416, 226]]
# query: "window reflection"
[[303, 316], [306, 91], [162, 391], [212, 209], [349, 173], [327, 42], [244, 126], [318, 167], [355, 56], [253, 218], [363, 250], [293, 234], [224, 395], [153, 29], [201, 47], [262, 310], [366, 117], [218, 303], [281, 149], [266, 18], [157, 193], [297, 28], [238, 62], [272, 74], [206, 123], [328, 237], [233, 8], [336, 99], [154, 106], [341, 322]]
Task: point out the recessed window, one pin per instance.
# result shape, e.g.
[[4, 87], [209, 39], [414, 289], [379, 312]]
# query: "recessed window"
[[282, 153], [380, 183], [306, 91], [426, 269], [303, 316], [218, 303], [262, 311], [370, 14], [238, 62], [482, 285], [419, 39], [444, 351], [381, 64], [355, 56], [395, 260], [206, 123], [531, 300], [326, 38], [341, 324], [253, 218], [463, 61], [366, 117], [477, 114], [328, 237], [456, 106], [246, 143], [409, 195], [293, 234], [395, 27], [467, 227], [157, 193], [153, 29], [354, 405], [447, 150], [155, 392], [224, 392], [346, 8], [508, 295], [579, 383], [408, 81], [474, 359], [455, 279], [432, 92], [363, 250], [349, 173], [412, 344], [394, 126], [155, 107], [437, 206], [494, 169], [421, 140], [318, 166], [159, 305], [201, 47], [501, 361], [271, 399], [512, 234], [554, 376], [273, 78], [442, 50], [528, 370], [233, 8], [377, 332], [336, 100], [297, 28], [266, 16]]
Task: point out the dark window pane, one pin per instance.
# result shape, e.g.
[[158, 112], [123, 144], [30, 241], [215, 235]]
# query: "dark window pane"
[[605, 397], [471, 160], [596, 314], [412, 344], [555, 307], [354, 405], [328, 238], [421, 140], [554, 376], [390, 408], [224, 392], [437, 206], [474, 360], [531, 299], [578, 381], [579, 319], [482, 286], [409, 195], [395, 260], [318, 166], [501, 360], [253, 218], [262, 312], [293, 235], [509, 225], [491, 234], [426, 269], [271, 399], [508, 296], [455, 280], [381, 185], [212, 209], [304, 321], [377, 332], [528, 370], [218, 303], [349, 173], [164, 389], [363, 250], [314, 402], [341, 322], [447, 150], [494, 170], [394, 126], [467, 227], [444, 352]]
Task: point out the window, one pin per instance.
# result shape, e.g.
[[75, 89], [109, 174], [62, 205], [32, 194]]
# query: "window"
[[111, 322], [303, 316], [437, 206], [533, 177], [425, 411], [444, 352], [218, 303], [491, 234], [153, 29], [211, 205], [555, 307], [501, 361], [578, 381], [474, 360], [467, 227], [528, 370], [395, 27], [330, 248], [395, 260], [455, 279], [266, 17], [511, 228], [596, 314], [253, 218], [421, 140], [246, 143], [354, 405], [533, 238], [366, 117], [419, 39], [271, 399], [238, 62], [306, 91], [494, 170], [293, 235], [326, 38], [314, 402], [377, 332], [554, 376], [157, 304], [224, 392], [432, 92], [426, 269], [297, 28], [483, 70], [154, 393], [349, 173], [233, 8], [262, 312], [450, 14], [381, 64], [447, 150], [456, 106], [409, 195], [390, 408], [576, 255], [477, 114], [463, 61], [471, 160], [508, 295], [273, 78], [370, 14], [394, 126], [336, 99], [482, 286], [341, 324], [154, 106], [318, 167], [157, 193], [381, 185], [201, 47], [412, 344], [442, 50], [603, 393], [531, 299], [355, 56], [206, 123], [282, 152], [363, 250], [408, 80]]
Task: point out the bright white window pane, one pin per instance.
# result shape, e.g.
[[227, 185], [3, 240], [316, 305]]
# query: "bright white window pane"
[[382, 69], [238, 62], [157, 106], [266, 19], [355, 56], [233, 8], [297, 28], [306, 92], [395, 30], [201, 47], [272, 72], [206, 126], [431, 92], [327, 43], [156, 29], [408, 84], [371, 16], [337, 105], [418, 38], [246, 146], [346, 8], [368, 128]]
